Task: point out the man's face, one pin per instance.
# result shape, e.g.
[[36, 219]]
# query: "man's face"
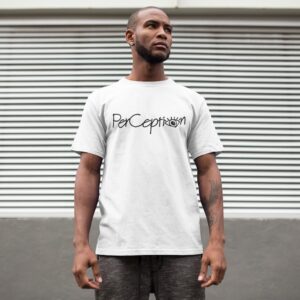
[[153, 36]]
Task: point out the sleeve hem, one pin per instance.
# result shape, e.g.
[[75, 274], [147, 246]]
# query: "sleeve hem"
[[217, 151], [80, 150]]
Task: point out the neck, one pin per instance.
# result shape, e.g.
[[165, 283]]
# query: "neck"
[[143, 71]]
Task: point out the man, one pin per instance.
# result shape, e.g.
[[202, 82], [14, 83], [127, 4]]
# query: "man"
[[144, 125]]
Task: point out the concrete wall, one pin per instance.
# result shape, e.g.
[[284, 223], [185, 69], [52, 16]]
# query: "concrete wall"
[[29, 4], [263, 260], [263, 7]]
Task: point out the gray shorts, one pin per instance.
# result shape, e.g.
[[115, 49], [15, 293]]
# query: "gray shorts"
[[169, 277]]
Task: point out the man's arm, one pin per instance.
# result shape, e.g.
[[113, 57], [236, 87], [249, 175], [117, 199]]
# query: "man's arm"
[[86, 199], [210, 190]]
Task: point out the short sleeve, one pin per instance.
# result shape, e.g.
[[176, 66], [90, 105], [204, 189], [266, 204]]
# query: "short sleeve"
[[203, 137], [90, 136]]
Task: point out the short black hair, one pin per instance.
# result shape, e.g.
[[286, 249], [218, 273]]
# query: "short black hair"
[[132, 20]]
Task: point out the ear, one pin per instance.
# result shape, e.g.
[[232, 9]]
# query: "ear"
[[129, 35]]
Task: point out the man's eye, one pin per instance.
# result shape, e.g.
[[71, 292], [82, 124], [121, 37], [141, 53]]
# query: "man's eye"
[[169, 30], [151, 25]]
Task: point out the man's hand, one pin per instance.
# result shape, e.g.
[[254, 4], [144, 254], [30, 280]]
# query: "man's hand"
[[85, 258], [213, 256]]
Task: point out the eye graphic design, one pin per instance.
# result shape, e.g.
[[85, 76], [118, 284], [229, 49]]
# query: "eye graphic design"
[[173, 122]]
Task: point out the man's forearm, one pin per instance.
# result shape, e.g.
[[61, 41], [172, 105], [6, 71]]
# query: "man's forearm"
[[86, 198], [211, 195]]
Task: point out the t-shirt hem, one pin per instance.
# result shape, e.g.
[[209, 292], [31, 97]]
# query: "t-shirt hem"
[[118, 252]]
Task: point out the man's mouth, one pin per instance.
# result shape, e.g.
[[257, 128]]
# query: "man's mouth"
[[161, 45]]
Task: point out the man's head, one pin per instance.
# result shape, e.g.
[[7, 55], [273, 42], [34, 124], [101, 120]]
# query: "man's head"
[[149, 33]]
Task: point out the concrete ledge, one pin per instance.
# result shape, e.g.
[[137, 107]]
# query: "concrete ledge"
[[36, 260]]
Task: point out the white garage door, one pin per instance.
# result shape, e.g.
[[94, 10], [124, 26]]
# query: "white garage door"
[[248, 70]]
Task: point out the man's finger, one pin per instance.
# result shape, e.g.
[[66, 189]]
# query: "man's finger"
[[211, 280], [96, 271], [222, 274], [214, 278], [204, 281], [86, 283], [77, 279], [203, 271], [91, 284]]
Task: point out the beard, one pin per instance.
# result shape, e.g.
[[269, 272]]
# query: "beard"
[[148, 56]]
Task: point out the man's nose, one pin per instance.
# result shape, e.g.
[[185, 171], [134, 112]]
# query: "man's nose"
[[161, 33]]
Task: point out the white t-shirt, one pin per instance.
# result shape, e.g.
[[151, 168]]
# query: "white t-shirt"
[[144, 130]]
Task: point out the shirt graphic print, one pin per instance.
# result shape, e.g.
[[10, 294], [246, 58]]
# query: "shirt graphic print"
[[137, 120]]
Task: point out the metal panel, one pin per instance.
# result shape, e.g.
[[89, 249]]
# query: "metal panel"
[[248, 70]]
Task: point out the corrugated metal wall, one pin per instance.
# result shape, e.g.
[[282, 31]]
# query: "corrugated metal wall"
[[248, 70]]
